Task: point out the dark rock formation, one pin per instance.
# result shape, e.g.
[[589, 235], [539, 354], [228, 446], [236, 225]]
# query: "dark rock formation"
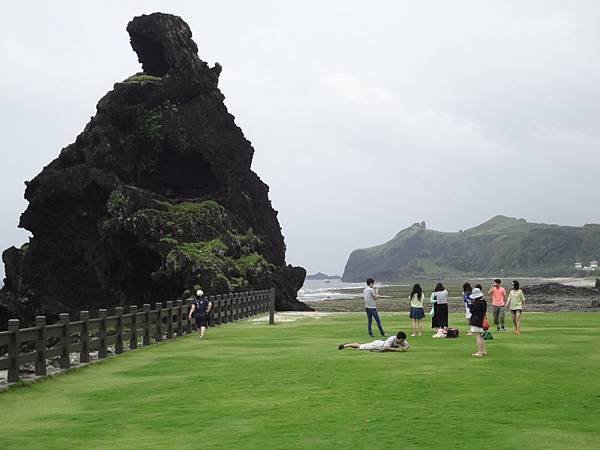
[[154, 197], [558, 289]]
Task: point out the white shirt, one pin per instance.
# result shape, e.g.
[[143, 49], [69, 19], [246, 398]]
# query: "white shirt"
[[369, 296]]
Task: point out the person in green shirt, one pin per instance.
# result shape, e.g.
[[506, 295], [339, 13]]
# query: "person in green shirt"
[[515, 302], [417, 311]]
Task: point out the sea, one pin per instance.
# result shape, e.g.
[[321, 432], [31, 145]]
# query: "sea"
[[319, 290]]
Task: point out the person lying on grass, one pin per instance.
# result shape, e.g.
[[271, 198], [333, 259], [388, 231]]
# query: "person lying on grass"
[[396, 343]]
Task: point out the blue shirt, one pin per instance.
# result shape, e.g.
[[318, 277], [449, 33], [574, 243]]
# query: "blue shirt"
[[466, 298]]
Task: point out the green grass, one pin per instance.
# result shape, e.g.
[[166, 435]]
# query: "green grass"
[[252, 386]]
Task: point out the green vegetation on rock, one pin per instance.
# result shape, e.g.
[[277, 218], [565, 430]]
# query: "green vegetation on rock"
[[141, 77], [198, 242]]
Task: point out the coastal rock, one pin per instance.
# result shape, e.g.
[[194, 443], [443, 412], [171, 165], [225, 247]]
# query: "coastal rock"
[[153, 199], [322, 276]]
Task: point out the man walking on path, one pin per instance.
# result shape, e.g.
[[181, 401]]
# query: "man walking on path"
[[200, 309], [370, 295], [498, 294]]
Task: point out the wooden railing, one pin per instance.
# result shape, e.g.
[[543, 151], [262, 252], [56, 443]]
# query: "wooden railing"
[[121, 330]]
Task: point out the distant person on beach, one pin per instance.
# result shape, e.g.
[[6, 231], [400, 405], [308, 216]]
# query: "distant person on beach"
[[396, 343], [200, 310], [515, 302], [498, 294], [467, 289], [440, 307], [417, 311], [370, 295], [478, 312]]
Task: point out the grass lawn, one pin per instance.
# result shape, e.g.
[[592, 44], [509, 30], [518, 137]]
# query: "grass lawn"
[[251, 386]]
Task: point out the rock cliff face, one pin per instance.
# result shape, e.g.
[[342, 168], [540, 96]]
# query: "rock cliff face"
[[155, 196]]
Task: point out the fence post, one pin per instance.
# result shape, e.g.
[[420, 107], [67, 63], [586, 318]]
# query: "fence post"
[[179, 308], [119, 330], [133, 328], [224, 316], [158, 308], [147, 322], [218, 310], [272, 306], [13, 351], [211, 314], [169, 319], [237, 297], [230, 307], [84, 337], [65, 357], [40, 346], [102, 352], [245, 304], [188, 308]]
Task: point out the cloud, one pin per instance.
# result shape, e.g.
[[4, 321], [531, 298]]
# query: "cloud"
[[365, 117]]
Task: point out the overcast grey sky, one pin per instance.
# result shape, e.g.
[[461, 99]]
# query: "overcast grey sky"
[[365, 116]]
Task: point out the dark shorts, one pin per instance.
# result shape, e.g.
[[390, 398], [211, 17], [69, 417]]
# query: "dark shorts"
[[202, 321], [417, 313]]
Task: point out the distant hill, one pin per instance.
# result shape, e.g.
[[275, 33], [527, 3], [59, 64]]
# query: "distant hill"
[[322, 276], [502, 245]]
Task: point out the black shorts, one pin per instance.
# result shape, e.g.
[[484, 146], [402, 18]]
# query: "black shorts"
[[201, 321]]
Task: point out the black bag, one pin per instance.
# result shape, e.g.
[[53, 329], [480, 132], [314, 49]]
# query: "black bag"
[[452, 333]]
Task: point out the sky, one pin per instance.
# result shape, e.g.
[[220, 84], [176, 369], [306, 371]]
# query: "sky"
[[365, 117]]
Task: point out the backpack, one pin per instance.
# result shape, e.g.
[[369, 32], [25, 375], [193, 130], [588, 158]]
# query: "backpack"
[[201, 305]]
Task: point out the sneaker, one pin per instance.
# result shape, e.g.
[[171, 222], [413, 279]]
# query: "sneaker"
[[384, 335], [413, 335], [497, 328]]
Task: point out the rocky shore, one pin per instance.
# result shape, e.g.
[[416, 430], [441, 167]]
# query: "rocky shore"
[[547, 297]]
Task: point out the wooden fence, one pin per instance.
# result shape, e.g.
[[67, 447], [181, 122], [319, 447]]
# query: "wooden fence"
[[38, 343]]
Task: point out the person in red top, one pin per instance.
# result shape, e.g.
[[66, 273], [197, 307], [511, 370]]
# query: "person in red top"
[[498, 294]]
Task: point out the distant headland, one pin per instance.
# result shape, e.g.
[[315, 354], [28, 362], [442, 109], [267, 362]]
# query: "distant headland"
[[322, 276], [501, 246]]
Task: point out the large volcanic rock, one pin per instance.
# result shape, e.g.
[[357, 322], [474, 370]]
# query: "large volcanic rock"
[[155, 197]]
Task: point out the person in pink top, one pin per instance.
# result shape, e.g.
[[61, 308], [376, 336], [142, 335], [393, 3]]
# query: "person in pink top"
[[498, 294]]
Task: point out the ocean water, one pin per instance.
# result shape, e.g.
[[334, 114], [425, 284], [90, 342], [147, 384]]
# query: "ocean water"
[[318, 290]]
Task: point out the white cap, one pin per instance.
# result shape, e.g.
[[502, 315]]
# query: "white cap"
[[199, 292], [476, 294]]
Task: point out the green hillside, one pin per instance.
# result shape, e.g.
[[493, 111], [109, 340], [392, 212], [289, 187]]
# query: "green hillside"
[[502, 245]]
